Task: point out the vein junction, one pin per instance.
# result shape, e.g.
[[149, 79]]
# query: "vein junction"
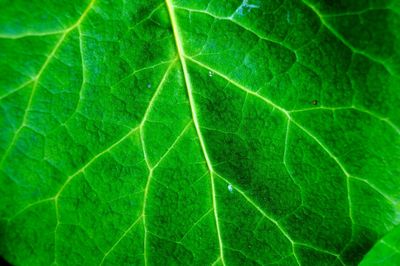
[[35, 80], [290, 120], [181, 53], [183, 58]]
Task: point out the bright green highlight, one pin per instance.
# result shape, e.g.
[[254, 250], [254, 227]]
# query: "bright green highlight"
[[386, 251]]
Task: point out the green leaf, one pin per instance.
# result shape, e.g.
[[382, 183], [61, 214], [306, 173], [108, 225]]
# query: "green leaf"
[[194, 132], [386, 251]]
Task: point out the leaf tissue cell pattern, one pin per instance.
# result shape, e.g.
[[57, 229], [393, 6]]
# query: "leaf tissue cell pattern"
[[194, 132]]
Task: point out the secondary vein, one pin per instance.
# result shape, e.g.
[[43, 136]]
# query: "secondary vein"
[[37, 78]]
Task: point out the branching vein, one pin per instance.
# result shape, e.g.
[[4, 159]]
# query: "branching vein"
[[37, 78], [288, 116], [181, 54], [343, 40]]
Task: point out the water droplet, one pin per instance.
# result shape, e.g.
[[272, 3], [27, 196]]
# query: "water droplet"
[[230, 188], [314, 102], [288, 18], [148, 85], [210, 73]]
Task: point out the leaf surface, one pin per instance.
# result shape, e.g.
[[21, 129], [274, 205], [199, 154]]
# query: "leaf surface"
[[198, 132], [386, 251]]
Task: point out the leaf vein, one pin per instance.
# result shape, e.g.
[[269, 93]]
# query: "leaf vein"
[[181, 54]]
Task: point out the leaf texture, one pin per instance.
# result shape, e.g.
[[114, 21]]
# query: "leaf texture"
[[386, 251], [194, 132]]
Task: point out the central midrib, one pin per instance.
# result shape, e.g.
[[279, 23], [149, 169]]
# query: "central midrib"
[[181, 53]]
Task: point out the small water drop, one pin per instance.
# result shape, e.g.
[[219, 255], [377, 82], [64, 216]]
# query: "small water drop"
[[314, 102], [210, 73], [148, 85], [230, 188]]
